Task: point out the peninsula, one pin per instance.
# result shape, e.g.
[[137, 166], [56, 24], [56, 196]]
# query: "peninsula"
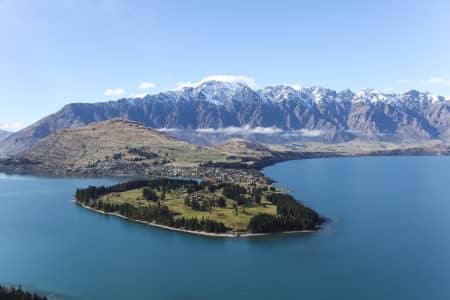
[[202, 207]]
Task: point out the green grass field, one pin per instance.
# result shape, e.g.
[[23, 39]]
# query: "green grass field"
[[175, 201], [204, 155]]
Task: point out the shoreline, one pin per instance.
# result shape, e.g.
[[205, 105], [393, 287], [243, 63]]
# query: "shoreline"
[[38, 169], [201, 233], [261, 167]]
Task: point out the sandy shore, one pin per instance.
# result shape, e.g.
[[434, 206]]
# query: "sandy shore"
[[203, 233]]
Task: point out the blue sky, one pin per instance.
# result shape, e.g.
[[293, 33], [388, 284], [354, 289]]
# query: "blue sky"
[[56, 52]]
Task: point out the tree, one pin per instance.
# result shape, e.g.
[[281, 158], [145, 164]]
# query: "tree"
[[210, 204], [149, 194], [195, 204], [256, 195], [163, 193], [13, 293], [264, 223], [235, 208], [187, 201], [221, 202]]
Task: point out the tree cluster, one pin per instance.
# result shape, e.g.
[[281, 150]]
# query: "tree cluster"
[[291, 215], [203, 225], [234, 192], [256, 195], [202, 204], [149, 195], [227, 165], [11, 293], [160, 215], [142, 153], [160, 184]]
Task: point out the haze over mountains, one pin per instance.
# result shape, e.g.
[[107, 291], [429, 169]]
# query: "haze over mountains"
[[227, 109], [4, 134]]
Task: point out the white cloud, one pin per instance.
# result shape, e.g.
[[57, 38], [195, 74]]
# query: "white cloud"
[[114, 92], [295, 86], [247, 130], [164, 129], [186, 84], [147, 85], [309, 133], [232, 130], [14, 126], [241, 130], [437, 81], [140, 95], [224, 78]]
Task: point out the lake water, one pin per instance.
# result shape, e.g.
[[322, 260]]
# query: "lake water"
[[389, 239]]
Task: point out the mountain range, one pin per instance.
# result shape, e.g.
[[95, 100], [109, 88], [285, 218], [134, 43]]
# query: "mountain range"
[[234, 108]]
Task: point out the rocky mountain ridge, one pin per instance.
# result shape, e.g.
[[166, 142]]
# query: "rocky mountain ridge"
[[216, 107]]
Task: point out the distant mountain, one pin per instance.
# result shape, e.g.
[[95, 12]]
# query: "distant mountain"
[[4, 134], [232, 109]]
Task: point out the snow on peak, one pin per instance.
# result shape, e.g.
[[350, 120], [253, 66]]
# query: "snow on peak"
[[375, 96], [223, 92], [321, 94], [435, 98], [216, 92], [414, 98], [219, 78], [282, 93]]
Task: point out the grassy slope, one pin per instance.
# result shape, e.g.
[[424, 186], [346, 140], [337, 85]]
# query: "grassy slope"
[[82, 147], [204, 155], [175, 202]]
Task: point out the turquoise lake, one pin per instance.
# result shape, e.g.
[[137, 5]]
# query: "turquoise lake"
[[389, 239]]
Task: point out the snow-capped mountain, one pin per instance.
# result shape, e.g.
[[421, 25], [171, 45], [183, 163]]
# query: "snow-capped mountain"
[[330, 115], [216, 92]]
